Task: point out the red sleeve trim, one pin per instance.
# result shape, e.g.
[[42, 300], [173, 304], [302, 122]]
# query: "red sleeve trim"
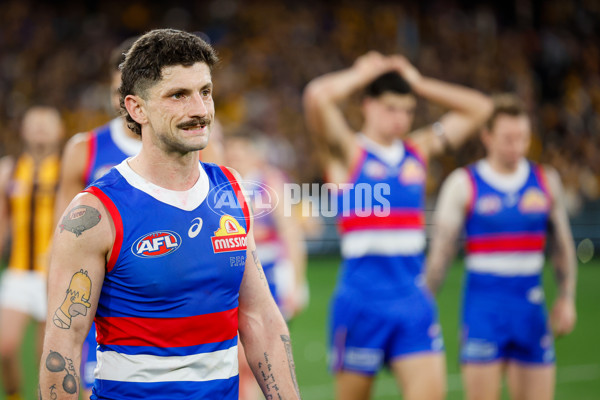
[[471, 202], [540, 174], [357, 165], [116, 217], [91, 158], [410, 146], [239, 194]]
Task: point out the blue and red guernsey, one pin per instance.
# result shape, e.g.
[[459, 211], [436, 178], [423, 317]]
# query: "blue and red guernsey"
[[167, 314], [506, 229], [382, 221], [108, 145]]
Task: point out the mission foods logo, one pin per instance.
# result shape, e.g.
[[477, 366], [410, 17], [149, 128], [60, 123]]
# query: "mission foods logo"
[[156, 244], [230, 236]]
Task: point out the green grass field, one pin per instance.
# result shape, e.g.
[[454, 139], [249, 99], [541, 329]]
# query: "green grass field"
[[578, 376]]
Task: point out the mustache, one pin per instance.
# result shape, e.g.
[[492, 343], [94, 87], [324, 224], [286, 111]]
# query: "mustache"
[[194, 122]]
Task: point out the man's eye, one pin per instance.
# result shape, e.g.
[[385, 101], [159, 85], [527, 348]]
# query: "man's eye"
[[206, 93], [178, 96]]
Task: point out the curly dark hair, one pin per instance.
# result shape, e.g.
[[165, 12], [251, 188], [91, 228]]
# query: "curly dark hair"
[[155, 50]]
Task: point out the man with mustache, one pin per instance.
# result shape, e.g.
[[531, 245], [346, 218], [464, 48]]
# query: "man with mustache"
[[172, 264]]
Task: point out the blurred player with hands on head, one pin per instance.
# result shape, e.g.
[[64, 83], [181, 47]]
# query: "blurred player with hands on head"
[[169, 270], [381, 311], [509, 207]]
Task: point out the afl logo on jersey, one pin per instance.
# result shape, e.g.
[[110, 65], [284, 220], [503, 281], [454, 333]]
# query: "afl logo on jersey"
[[488, 205], [375, 170], [156, 244], [230, 236]]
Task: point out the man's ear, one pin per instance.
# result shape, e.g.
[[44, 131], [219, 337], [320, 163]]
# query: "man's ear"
[[135, 106]]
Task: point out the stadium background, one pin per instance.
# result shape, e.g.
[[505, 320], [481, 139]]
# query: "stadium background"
[[546, 51]]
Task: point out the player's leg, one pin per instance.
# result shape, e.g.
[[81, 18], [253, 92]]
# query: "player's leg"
[[12, 329], [531, 369], [482, 381], [357, 337], [16, 295], [417, 348], [531, 382], [353, 386], [421, 376]]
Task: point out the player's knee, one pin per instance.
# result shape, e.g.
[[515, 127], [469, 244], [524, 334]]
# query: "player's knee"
[[9, 349]]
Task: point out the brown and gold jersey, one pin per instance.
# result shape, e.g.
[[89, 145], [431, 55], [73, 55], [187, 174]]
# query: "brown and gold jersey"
[[31, 195]]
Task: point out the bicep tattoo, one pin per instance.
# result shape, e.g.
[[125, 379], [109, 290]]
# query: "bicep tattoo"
[[80, 219], [76, 301]]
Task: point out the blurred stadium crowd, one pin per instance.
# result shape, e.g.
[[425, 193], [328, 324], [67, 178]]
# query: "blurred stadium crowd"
[[546, 51]]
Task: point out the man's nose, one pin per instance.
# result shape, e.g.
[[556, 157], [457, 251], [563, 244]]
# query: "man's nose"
[[197, 106]]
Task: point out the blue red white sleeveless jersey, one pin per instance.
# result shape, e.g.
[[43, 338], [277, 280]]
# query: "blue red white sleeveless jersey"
[[167, 314], [108, 145], [506, 229], [382, 221], [269, 245]]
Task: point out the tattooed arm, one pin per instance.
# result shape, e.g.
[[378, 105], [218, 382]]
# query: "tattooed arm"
[[263, 331], [448, 221], [81, 246], [562, 249]]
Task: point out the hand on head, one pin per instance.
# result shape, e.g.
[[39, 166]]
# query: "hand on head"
[[405, 69]]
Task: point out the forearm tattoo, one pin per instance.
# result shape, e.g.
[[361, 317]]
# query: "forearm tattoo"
[[55, 362], [80, 219], [287, 343], [261, 273], [76, 300], [268, 379], [272, 389]]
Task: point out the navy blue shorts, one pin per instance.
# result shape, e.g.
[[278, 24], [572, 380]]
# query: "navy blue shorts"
[[367, 334], [493, 331]]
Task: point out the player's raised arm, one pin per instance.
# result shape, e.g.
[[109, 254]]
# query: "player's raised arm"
[[469, 109], [448, 222], [72, 168], [323, 97], [562, 248], [81, 245], [263, 330]]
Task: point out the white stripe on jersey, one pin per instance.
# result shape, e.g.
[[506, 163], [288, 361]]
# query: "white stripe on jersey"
[[506, 263], [220, 364], [383, 242]]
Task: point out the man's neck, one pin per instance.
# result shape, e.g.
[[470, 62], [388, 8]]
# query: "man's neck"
[[502, 167], [378, 138], [171, 171], [40, 152]]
